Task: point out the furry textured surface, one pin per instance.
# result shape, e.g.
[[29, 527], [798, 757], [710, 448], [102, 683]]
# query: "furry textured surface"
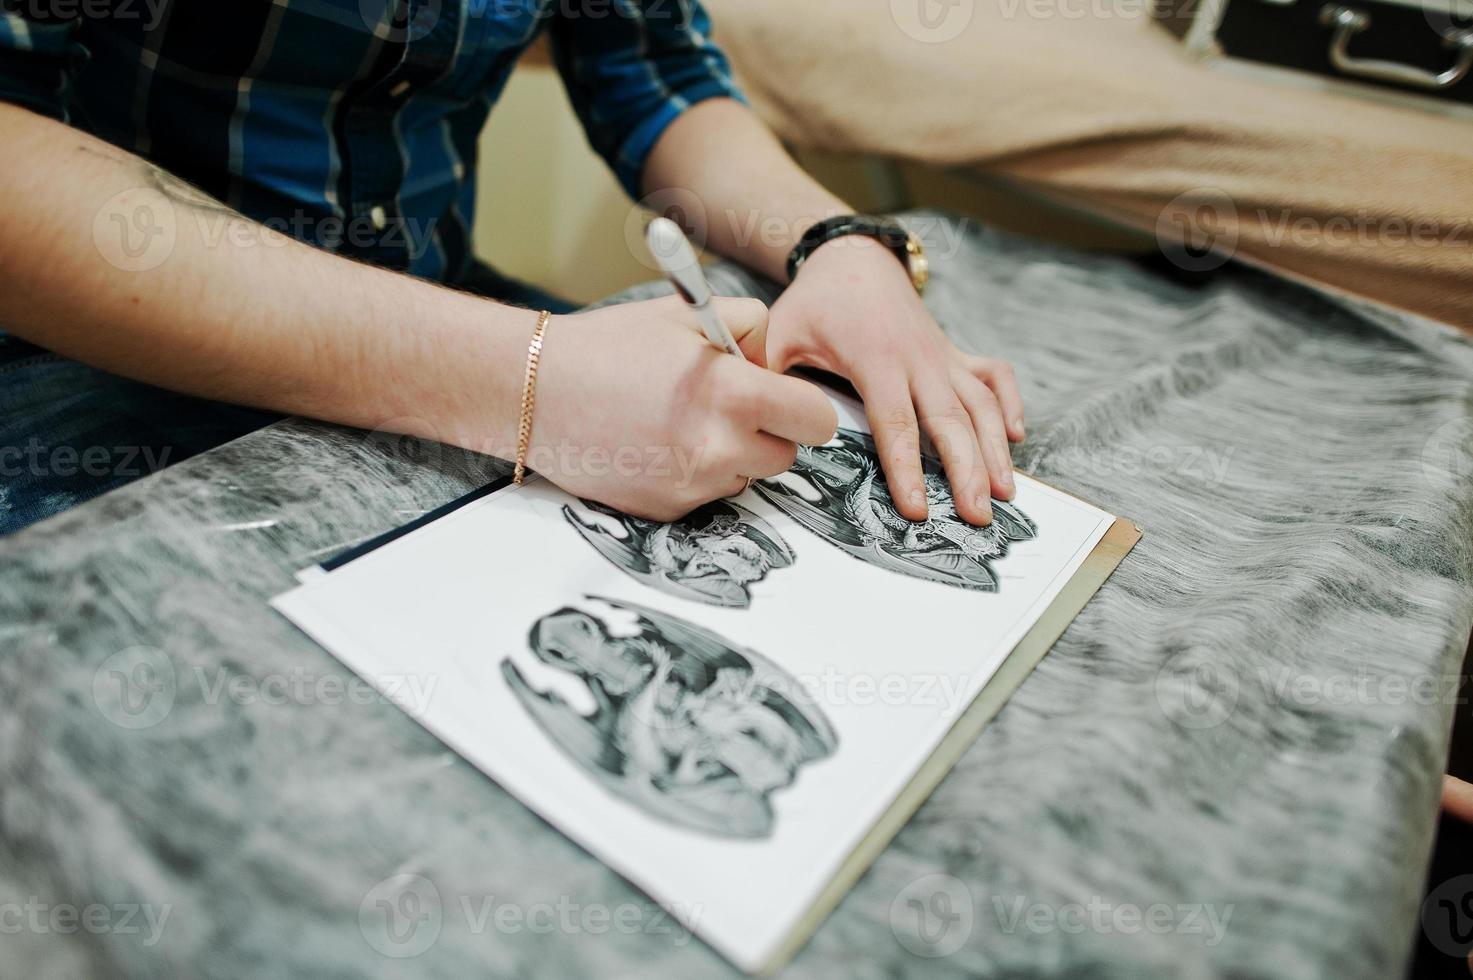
[[1227, 766]]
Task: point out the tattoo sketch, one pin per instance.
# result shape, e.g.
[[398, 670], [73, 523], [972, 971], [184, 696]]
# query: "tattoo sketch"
[[843, 499], [713, 555], [685, 726]]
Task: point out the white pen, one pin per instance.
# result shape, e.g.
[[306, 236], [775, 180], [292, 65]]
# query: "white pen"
[[678, 260]]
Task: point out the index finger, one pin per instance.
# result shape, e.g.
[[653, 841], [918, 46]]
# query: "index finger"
[[999, 376], [892, 419], [793, 409]]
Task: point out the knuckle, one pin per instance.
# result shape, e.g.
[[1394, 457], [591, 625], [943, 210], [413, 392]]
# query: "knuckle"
[[986, 400], [898, 420], [953, 415], [720, 459]]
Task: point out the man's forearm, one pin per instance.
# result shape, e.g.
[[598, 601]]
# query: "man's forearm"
[[106, 259], [755, 203]]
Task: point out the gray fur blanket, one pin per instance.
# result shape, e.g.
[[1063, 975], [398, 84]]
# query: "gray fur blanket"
[[1228, 766]]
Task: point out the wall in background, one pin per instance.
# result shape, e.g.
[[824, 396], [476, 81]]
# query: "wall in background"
[[550, 212]]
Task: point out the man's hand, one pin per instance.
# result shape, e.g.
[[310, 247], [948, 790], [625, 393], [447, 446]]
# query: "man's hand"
[[635, 409], [853, 311]]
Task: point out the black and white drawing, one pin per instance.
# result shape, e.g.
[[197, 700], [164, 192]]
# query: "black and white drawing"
[[685, 725], [713, 555], [838, 492]]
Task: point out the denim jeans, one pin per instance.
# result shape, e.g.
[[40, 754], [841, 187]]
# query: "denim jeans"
[[69, 432]]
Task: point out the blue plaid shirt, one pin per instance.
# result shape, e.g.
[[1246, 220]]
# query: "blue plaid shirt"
[[351, 124]]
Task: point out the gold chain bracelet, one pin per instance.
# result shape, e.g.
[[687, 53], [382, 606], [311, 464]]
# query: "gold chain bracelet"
[[529, 396]]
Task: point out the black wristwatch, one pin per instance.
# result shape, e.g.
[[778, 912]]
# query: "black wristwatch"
[[907, 247]]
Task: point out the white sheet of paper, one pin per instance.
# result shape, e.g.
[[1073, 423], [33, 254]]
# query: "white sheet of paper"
[[890, 660]]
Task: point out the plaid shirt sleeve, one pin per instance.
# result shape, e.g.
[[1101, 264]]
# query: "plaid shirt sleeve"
[[633, 66], [38, 59]]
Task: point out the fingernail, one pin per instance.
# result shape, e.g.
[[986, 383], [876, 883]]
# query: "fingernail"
[[984, 504], [1009, 485], [1017, 424], [917, 498]]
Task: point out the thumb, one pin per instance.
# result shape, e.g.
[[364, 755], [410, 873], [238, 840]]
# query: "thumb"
[[747, 319]]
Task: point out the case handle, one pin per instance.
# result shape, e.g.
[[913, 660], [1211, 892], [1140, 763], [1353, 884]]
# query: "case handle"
[[1348, 23]]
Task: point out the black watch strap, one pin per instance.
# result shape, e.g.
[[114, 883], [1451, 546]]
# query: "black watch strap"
[[889, 233]]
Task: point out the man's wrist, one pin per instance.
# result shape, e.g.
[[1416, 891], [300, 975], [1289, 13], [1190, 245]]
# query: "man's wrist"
[[852, 255], [857, 230], [460, 371]]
